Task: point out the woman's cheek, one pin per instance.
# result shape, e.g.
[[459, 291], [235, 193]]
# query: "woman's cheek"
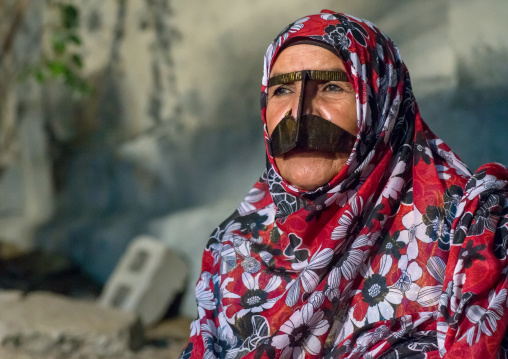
[[272, 118]]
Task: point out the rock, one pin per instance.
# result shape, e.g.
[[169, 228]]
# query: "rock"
[[10, 296], [147, 280], [48, 325]]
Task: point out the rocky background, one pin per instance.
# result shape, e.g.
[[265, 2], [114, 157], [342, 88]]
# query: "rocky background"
[[165, 138]]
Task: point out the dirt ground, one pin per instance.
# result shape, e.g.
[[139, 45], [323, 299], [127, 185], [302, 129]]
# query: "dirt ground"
[[166, 340]]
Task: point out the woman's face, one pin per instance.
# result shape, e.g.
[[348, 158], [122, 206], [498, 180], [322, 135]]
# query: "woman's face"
[[333, 100]]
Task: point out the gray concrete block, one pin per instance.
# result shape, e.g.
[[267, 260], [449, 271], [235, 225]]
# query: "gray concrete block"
[[47, 325], [187, 232], [146, 280]]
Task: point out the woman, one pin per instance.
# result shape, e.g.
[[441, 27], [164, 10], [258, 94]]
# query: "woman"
[[380, 244]]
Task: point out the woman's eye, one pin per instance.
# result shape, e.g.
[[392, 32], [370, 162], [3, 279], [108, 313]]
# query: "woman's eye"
[[333, 88], [281, 90]]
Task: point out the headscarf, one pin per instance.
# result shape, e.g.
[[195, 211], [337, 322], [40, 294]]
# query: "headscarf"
[[402, 254]]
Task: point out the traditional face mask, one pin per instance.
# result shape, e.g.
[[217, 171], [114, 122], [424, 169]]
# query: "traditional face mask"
[[309, 132]]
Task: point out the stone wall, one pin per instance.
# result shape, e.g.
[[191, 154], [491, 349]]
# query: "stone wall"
[[26, 194], [170, 139]]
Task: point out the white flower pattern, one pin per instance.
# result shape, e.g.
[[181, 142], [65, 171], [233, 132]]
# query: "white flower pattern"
[[301, 332]]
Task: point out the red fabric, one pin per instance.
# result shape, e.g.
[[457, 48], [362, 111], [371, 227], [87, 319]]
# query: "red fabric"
[[402, 254]]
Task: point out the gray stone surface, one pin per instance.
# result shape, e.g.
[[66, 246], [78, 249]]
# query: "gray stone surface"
[[25, 166], [10, 296], [46, 325], [147, 280]]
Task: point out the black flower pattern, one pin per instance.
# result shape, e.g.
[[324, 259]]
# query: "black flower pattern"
[[253, 329], [218, 341], [454, 319], [253, 223], [373, 102], [315, 208], [265, 348], [354, 180], [461, 231], [187, 351], [420, 150], [487, 215], [501, 236], [262, 247], [216, 347], [336, 36], [293, 250], [402, 133], [408, 196], [377, 66], [451, 198], [470, 253], [376, 215], [285, 202], [278, 271], [374, 290], [438, 226], [358, 32], [413, 347], [253, 298], [392, 246], [274, 235], [476, 177], [409, 102], [365, 145]]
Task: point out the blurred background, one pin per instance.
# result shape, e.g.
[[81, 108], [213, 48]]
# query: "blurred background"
[[128, 117]]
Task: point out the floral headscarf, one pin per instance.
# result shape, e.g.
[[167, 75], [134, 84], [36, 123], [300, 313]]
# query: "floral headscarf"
[[402, 254]]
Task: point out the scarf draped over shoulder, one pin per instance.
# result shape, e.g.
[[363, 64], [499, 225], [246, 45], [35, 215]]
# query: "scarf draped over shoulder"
[[402, 254]]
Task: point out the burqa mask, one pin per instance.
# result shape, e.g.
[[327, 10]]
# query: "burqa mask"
[[309, 132]]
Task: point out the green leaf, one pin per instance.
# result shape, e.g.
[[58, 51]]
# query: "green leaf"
[[39, 76], [75, 39], [56, 68], [70, 16], [76, 59], [58, 43]]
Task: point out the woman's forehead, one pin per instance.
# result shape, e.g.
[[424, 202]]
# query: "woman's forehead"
[[305, 57]]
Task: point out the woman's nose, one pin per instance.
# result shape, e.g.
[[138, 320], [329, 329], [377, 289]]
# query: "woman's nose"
[[309, 105]]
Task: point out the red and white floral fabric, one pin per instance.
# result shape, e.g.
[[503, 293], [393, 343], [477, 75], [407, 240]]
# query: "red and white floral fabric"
[[402, 254]]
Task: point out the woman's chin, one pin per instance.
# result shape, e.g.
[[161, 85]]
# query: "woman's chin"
[[309, 170]]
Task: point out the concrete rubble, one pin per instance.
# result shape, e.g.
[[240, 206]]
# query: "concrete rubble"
[[46, 325], [38, 322], [49, 326]]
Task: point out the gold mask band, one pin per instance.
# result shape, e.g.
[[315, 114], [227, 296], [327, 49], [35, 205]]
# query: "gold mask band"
[[311, 75]]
